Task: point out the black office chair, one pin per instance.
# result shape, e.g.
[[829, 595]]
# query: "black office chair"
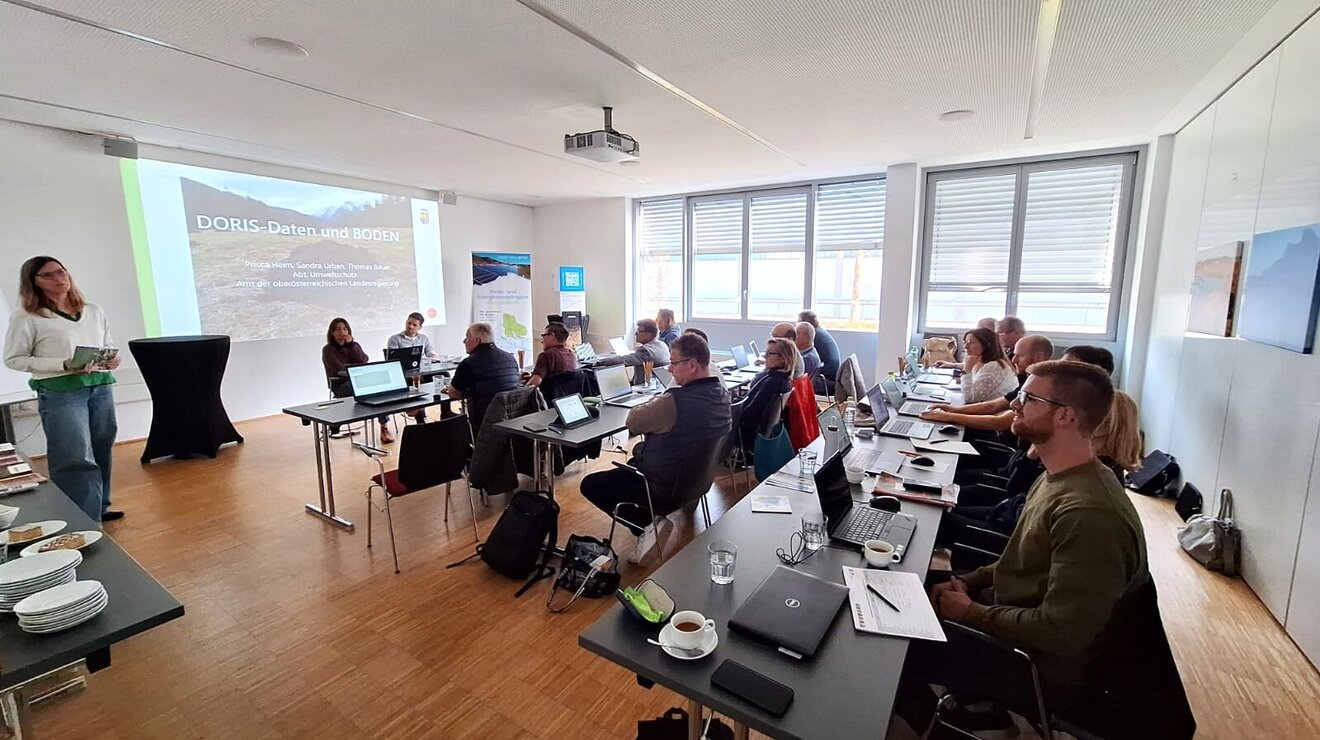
[[693, 483], [564, 383], [981, 666], [429, 454]]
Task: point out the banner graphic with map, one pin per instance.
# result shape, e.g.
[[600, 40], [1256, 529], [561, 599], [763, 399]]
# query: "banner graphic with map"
[[502, 297]]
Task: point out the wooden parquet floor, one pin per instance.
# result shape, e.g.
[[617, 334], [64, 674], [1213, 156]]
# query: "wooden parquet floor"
[[295, 629]]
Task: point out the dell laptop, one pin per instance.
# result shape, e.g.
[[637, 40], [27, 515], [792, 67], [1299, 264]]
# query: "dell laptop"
[[615, 389], [905, 408], [791, 610], [379, 383], [409, 357], [896, 427], [572, 412], [853, 523]]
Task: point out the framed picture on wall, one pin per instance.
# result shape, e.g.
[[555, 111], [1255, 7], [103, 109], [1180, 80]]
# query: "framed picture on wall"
[[1214, 289], [1281, 291]]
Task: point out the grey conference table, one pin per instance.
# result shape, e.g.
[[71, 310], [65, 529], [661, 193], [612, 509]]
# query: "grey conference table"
[[137, 603], [612, 420], [322, 415], [846, 691]]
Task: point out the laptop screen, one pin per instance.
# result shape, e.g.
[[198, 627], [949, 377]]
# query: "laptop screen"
[[376, 377], [619, 346], [893, 393], [756, 351], [571, 409], [613, 381], [739, 356], [833, 489], [875, 398], [662, 375]]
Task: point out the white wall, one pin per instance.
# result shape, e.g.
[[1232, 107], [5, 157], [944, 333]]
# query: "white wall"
[[596, 235], [1237, 414], [61, 196]]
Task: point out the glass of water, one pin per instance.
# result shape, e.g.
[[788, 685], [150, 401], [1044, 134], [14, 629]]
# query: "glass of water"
[[813, 530], [723, 557], [806, 464]]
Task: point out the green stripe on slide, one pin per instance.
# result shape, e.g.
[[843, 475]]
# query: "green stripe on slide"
[[137, 228]]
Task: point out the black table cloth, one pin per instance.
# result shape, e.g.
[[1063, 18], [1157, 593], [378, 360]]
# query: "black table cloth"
[[183, 375]]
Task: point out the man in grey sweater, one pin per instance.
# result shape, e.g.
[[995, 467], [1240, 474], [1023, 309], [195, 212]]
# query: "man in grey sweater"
[[649, 348]]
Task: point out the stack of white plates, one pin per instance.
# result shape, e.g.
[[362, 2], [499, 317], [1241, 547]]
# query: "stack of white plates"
[[57, 609], [22, 577]]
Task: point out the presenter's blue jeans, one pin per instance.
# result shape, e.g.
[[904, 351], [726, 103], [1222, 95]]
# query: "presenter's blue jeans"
[[80, 430]]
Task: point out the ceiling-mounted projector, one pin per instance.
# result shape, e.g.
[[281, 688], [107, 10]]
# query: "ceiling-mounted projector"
[[605, 145]]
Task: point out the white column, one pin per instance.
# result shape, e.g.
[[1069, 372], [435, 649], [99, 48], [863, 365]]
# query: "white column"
[[903, 188]]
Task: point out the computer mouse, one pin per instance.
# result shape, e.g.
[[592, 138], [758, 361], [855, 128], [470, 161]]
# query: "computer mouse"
[[886, 503], [949, 429], [922, 461]]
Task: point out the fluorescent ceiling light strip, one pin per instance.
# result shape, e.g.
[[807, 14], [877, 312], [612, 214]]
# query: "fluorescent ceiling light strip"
[[679, 92], [1047, 23], [302, 85]]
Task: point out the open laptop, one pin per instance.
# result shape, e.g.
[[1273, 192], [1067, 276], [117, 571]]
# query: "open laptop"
[[896, 427], [620, 347], [935, 376], [854, 523], [905, 408], [663, 377], [572, 412], [586, 354], [409, 357], [615, 389], [379, 383], [791, 610]]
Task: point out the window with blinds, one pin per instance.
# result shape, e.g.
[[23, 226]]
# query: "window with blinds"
[[1042, 241], [850, 235], [765, 254], [659, 268]]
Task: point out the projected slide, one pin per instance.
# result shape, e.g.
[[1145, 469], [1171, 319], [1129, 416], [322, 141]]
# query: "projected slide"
[[262, 258]]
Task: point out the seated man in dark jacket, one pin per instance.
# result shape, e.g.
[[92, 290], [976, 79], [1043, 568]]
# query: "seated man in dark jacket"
[[694, 410], [486, 370]]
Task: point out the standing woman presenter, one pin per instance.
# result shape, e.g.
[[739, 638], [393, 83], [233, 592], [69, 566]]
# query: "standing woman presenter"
[[76, 405]]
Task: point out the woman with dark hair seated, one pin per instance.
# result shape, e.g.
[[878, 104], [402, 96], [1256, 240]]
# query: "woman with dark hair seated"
[[769, 385], [339, 352]]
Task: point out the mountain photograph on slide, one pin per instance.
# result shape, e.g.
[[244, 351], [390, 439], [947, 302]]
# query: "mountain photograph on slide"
[[260, 269]]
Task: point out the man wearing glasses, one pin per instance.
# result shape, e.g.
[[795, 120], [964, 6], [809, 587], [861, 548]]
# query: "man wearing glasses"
[[691, 413], [1078, 549], [649, 348], [1011, 330], [554, 357]]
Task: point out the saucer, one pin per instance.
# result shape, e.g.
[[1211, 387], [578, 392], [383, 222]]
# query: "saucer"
[[666, 634]]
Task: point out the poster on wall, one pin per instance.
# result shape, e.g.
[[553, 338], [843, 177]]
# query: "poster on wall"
[[502, 297], [572, 288], [1281, 291], [1214, 289]]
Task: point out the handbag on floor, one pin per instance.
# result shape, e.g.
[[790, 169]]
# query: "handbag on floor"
[[589, 568], [673, 725], [1158, 475], [1215, 541], [518, 539]]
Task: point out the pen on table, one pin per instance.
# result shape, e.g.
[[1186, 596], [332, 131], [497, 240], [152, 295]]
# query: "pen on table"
[[328, 403], [937, 441], [556, 431], [871, 588]]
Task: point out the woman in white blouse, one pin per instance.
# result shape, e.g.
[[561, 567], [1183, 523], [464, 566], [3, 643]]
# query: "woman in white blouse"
[[987, 374]]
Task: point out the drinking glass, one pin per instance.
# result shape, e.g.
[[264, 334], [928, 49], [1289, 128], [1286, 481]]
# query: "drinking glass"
[[806, 464], [723, 557], [813, 530]]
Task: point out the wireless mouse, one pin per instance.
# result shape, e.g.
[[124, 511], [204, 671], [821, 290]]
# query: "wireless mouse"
[[886, 503], [922, 461], [949, 429]]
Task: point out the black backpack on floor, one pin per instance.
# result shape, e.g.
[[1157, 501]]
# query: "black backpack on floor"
[[515, 544]]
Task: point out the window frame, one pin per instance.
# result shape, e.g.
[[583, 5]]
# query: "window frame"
[[1129, 192], [810, 188]]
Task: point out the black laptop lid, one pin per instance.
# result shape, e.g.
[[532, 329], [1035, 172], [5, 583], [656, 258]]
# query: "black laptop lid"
[[833, 489], [791, 610], [411, 357]]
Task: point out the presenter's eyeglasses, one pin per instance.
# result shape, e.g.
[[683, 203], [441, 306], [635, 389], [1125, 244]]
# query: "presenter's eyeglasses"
[[53, 274]]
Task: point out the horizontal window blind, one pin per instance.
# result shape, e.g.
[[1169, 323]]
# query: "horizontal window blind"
[[1070, 227], [779, 223], [659, 268], [972, 231], [717, 226], [850, 215], [661, 227]]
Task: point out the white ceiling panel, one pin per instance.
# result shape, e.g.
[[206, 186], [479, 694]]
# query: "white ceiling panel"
[[475, 95]]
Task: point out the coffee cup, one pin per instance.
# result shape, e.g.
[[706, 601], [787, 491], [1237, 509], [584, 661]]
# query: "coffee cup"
[[854, 475], [688, 630], [878, 553]]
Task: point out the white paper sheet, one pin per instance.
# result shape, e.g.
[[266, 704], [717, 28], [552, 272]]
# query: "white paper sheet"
[[915, 617], [770, 504], [947, 445]]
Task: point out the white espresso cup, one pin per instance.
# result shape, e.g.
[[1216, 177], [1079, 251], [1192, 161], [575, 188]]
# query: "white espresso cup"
[[688, 629], [854, 475], [878, 553]]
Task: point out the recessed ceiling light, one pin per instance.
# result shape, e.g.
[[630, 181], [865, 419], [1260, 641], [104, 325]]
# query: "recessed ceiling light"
[[279, 48], [961, 114], [630, 162]]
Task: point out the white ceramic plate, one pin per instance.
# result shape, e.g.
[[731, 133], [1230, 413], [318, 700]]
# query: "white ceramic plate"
[[48, 528], [707, 647], [95, 605], [60, 597], [17, 572], [61, 627], [90, 537], [15, 593]]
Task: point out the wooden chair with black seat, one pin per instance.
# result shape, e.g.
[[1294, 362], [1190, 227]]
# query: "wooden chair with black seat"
[[429, 454], [1132, 689], [693, 483]]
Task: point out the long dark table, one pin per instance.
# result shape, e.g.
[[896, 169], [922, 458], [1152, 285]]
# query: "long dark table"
[[846, 691], [137, 602], [322, 415]]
